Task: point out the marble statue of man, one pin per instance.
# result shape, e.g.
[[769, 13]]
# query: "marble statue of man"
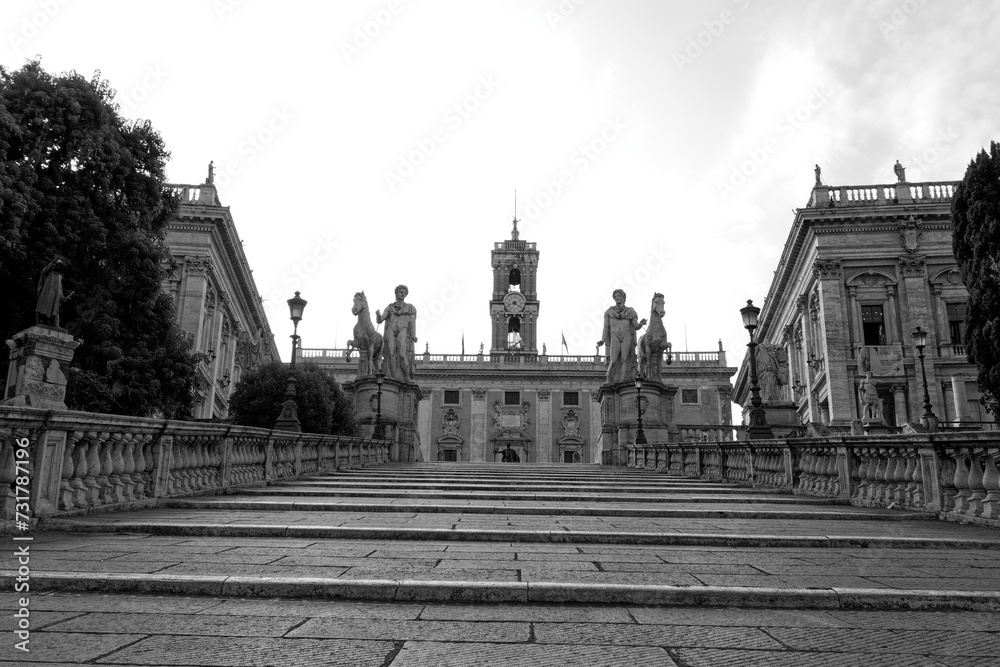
[[620, 325], [868, 395], [50, 293], [400, 336]]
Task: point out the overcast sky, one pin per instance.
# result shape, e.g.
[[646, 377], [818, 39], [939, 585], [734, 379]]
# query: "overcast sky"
[[658, 146]]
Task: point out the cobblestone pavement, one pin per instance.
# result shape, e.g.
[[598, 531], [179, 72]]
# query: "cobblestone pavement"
[[95, 629], [442, 565], [955, 569]]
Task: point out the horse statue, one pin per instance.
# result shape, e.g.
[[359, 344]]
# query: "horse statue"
[[366, 339], [654, 342]]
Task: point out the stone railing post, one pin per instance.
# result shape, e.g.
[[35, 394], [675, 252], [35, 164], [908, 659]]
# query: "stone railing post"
[[162, 459], [789, 464], [50, 455], [298, 457], [226, 469], [844, 471], [269, 460]]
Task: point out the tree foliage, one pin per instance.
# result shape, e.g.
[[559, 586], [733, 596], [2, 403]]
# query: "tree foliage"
[[322, 405], [976, 218], [80, 181]]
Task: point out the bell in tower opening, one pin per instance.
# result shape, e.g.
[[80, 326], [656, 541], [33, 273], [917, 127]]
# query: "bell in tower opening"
[[514, 306]]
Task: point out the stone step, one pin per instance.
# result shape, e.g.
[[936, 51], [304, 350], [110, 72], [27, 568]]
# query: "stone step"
[[278, 503], [535, 592], [516, 488], [729, 495], [860, 535]]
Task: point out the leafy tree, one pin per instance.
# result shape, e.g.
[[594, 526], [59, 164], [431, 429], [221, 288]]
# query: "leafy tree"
[[976, 218], [80, 181], [322, 405]]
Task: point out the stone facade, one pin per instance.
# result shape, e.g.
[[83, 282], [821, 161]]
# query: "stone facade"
[[861, 269], [545, 407], [215, 295]]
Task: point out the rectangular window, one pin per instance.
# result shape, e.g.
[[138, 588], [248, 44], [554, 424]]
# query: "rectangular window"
[[873, 325], [689, 395], [571, 398], [451, 397], [512, 398], [956, 322]]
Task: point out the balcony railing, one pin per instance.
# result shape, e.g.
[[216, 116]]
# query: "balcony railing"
[[713, 358], [882, 195]]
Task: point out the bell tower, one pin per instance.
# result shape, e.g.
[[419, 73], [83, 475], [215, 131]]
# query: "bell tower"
[[514, 306]]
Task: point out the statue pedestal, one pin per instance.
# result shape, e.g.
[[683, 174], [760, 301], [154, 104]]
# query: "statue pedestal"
[[398, 413], [620, 414], [39, 359]]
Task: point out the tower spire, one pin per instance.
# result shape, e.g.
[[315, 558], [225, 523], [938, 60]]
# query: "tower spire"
[[515, 234]]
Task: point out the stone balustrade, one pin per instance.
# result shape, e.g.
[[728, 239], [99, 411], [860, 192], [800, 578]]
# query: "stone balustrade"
[[955, 475], [81, 462]]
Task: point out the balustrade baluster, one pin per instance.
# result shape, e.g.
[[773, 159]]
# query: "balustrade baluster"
[[129, 443], [991, 484], [976, 491], [897, 477], [65, 490], [90, 489], [962, 482], [116, 485], [910, 469]]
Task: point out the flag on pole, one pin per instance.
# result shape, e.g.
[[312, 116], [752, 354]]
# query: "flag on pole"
[[564, 342], [463, 341]]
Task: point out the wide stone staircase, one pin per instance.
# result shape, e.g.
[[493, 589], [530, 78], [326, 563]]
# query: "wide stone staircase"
[[526, 534]]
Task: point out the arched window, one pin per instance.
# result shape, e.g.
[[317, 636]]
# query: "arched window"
[[514, 333], [514, 281]]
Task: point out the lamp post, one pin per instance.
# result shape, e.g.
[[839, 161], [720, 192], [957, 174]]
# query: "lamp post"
[[758, 428], [929, 420], [379, 428], [640, 436], [288, 420]]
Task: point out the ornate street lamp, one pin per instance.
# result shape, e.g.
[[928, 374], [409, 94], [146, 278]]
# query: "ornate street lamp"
[[640, 436], [379, 427], [288, 420], [929, 420], [758, 428]]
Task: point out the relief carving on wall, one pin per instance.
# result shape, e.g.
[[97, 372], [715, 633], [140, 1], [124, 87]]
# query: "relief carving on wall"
[[912, 267], [910, 233], [451, 420], [571, 424], [826, 269], [510, 421], [197, 265]]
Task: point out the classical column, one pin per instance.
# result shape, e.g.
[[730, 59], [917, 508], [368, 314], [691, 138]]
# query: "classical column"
[[478, 435], [802, 304], [893, 334], [914, 272], [544, 449], [833, 310], [857, 330], [941, 319], [899, 403], [194, 288], [961, 395]]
